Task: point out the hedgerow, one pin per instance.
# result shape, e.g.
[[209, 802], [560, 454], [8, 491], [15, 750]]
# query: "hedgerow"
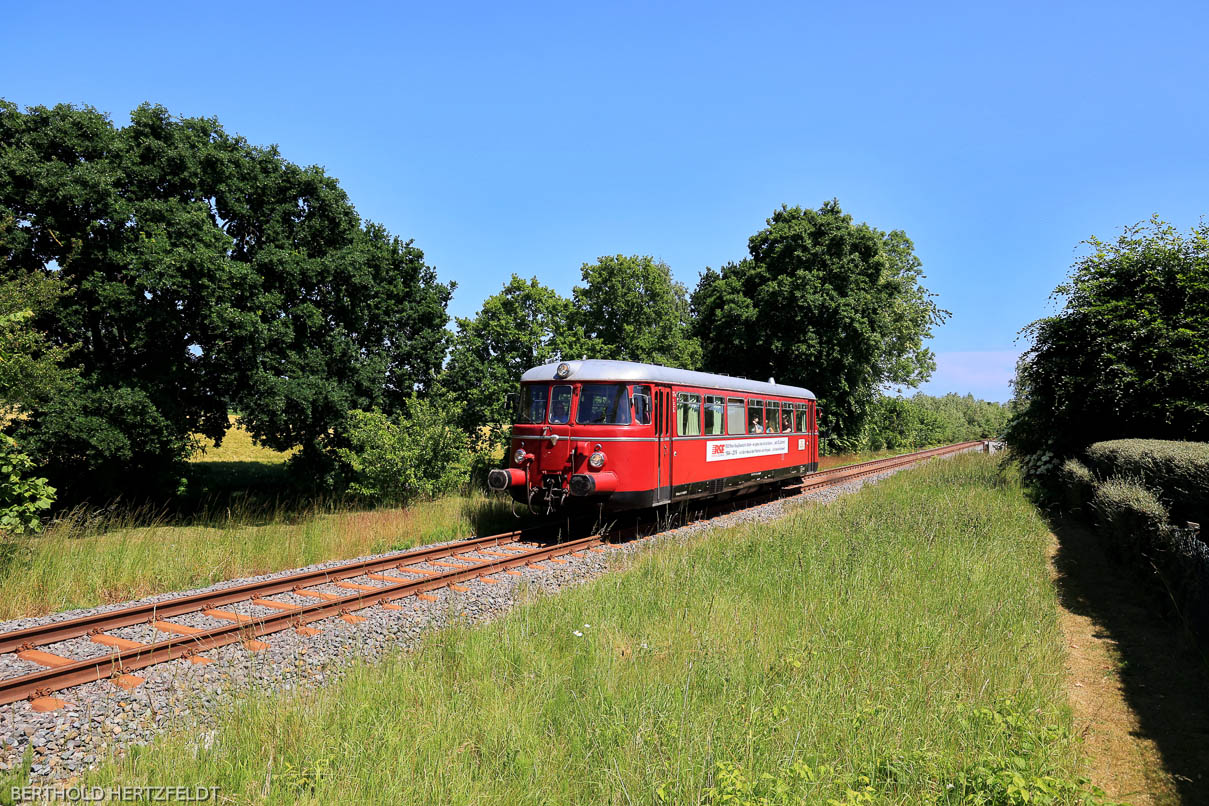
[[1078, 484], [1179, 470], [1140, 494]]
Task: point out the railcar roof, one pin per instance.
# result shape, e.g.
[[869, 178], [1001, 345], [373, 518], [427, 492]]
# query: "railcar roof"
[[593, 369]]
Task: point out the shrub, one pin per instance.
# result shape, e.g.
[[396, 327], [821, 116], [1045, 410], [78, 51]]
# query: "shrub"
[[420, 453], [1132, 516], [23, 496], [1078, 484], [1183, 563], [1180, 470]]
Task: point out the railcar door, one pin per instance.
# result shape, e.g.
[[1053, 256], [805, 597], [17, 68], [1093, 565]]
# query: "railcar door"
[[663, 444]]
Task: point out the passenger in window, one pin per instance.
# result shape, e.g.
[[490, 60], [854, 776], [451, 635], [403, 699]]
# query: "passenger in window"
[[560, 405], [642, 405]]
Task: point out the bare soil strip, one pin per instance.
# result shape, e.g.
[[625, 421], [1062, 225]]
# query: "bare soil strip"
[[1138, 684]]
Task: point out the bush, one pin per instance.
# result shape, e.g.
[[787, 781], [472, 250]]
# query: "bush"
[[23, 496], [1132, 516], [1180, 470], [1078, 484], [1183, 563], [420, 453]]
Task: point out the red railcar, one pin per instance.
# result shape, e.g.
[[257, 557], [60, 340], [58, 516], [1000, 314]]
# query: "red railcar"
[[623, 435]]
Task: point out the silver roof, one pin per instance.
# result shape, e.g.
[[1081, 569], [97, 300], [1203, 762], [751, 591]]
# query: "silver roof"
[[593, 369]]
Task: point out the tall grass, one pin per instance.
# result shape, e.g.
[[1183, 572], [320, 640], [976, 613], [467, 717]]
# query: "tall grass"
[[84, 559], [899, 645]]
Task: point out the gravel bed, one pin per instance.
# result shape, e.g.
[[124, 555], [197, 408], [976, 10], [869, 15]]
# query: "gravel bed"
[[12, 666], [101, 718], [78, 649]]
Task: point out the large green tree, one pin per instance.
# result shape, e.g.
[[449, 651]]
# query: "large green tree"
[[522, 326], [1128, 354], [824, 303], [32, 365], [206, 273], [630, 308]]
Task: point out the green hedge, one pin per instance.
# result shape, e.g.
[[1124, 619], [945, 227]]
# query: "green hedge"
[[1078, 484], [1131, 516], [1178, 470], [1138, 531]]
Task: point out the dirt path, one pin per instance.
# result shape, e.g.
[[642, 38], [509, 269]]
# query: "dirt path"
[[1139, 688]]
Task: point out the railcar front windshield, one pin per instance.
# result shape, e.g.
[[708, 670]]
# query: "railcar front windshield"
[[533, 404], [603, 404]]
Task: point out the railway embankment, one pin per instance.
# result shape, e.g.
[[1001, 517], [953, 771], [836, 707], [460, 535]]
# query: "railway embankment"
[[901, 643]]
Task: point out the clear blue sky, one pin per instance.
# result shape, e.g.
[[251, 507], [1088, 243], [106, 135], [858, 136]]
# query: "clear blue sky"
[[533, 138]]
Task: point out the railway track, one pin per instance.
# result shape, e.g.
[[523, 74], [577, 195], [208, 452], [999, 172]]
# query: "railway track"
[[382, 581]]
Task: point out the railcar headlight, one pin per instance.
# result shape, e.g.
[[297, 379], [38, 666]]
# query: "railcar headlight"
[[562, 371], [519, 456], [596, 460]]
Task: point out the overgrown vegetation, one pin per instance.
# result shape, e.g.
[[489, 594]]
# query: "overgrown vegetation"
[[419, 453], [826, 657], [1125, 357], [1140, 493], [24, 497]]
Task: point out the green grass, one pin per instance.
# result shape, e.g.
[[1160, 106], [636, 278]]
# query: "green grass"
[[899, 645], [86, 558], [81, 561]]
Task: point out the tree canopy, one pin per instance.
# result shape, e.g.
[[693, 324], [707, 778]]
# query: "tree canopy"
[[1127, 354], [630, 308], [824, 303], [31, 365], [205, 274], [523, 326]]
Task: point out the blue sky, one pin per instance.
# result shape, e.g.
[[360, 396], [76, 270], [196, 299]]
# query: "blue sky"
[[533, 138]]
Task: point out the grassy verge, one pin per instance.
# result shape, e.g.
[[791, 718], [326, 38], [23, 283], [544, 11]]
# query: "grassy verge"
[[85, 559], [899, 646], [81, 562]]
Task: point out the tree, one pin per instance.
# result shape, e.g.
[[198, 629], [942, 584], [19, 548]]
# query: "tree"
[[824, 303], [631, 309], [523, 326], [31, 365], [31, 372], [206, 274], [1128, 354]]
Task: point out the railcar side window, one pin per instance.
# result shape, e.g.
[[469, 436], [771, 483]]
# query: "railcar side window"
[[688, 415], [603, 404], [560, 405], [713, 414], [772, 417], [735, 421], [786, 418], [802, 418], [642, 405], [533, 404], [755, 416]]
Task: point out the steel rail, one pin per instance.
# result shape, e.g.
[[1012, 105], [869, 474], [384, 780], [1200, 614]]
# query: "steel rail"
[[43, 634], [42, 682]]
